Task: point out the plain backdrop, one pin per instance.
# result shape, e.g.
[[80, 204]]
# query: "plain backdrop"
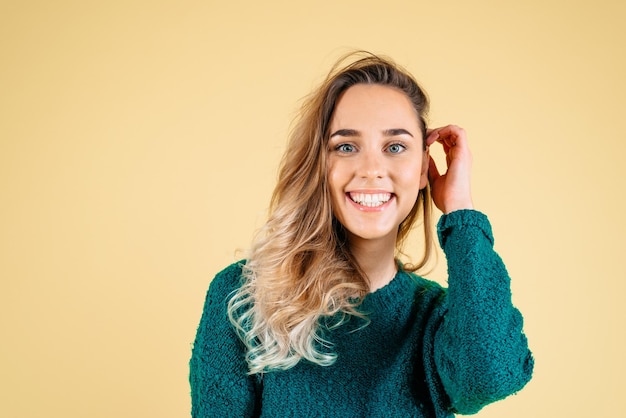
[[139, 142]]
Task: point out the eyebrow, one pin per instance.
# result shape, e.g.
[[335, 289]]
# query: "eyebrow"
[[386, 132]]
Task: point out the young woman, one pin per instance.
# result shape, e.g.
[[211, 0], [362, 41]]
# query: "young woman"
[[323, 319]]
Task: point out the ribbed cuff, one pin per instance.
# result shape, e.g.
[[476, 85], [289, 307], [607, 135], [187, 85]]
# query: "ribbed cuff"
[[462, 219]]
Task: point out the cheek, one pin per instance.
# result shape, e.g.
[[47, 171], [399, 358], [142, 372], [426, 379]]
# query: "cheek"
[[336, 201], [335, 178], [411, 174], [335, 189]]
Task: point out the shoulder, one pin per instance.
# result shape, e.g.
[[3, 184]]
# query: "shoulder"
[[420, 284], [429, 296], [426, 289], [425, 284], [224, 284], [230, 277]]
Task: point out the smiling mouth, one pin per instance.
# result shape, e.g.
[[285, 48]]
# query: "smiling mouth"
[[371, 200]]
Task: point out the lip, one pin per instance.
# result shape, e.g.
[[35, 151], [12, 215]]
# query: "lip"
[[369, 208]]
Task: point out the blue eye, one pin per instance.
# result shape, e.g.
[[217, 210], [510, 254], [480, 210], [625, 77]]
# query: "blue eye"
[[345, 148], [396, 148]]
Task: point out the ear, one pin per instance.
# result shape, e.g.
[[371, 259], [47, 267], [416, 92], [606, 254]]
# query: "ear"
[[424, 173]]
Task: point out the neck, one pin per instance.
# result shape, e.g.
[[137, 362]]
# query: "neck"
[[376, 259]]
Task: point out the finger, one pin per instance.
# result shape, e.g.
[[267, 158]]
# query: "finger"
[[448, 141], [431, 136], [446, 144], [453, 135], [451, 130]]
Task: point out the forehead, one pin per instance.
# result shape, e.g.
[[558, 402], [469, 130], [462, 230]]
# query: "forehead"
[[374, 104]]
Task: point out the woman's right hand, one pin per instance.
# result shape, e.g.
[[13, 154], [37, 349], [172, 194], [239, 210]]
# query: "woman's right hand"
[[451, 190]]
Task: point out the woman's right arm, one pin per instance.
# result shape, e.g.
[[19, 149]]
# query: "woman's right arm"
[[220, 385]]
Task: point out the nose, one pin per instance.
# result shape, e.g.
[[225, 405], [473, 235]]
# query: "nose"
[[372, 165]]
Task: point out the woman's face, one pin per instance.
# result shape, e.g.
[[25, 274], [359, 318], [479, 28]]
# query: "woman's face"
[[376, 161]]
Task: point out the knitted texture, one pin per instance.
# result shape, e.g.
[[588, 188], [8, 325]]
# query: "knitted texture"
[[427, 352]]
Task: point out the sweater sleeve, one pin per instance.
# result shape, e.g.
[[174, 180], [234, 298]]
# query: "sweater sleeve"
[[481, 352], [220, 385]]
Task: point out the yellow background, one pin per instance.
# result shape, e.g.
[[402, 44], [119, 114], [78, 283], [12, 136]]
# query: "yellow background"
[[139, 142]]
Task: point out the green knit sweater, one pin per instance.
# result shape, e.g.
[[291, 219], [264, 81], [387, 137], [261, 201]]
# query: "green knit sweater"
[[427, 352]]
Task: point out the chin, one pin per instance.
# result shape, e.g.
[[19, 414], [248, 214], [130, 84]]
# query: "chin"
[[372, 235]]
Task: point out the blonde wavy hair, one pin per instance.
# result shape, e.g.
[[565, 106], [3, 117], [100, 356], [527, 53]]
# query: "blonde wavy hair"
[[300, 277]]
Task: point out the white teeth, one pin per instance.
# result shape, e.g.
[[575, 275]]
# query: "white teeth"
[[371, 200]]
